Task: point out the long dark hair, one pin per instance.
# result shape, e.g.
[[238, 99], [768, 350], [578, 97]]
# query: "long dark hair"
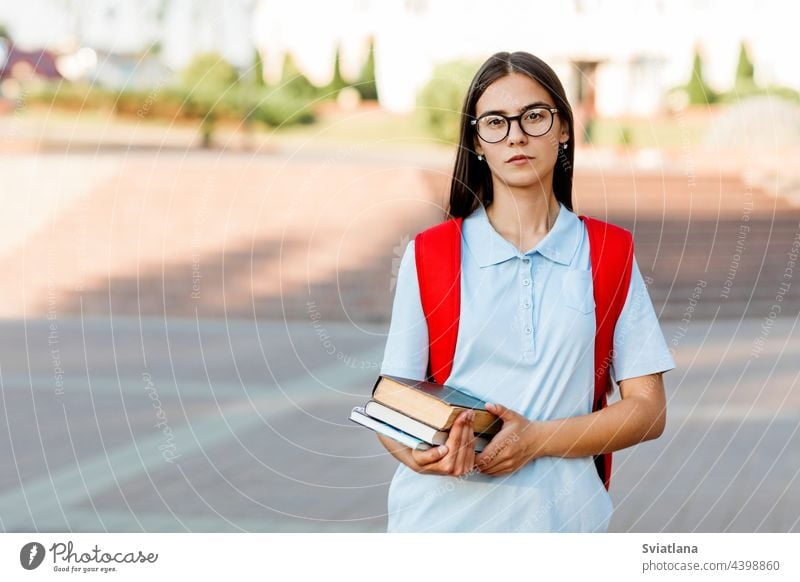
[[472, 179]]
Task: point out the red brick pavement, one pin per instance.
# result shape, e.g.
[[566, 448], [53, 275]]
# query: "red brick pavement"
[[236, 234]]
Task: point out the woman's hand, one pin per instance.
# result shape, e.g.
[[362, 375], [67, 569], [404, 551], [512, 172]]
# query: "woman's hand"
[[456, 457], [511, 447]]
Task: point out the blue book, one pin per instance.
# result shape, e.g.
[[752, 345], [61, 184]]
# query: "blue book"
[[414, 427], [359, 416]]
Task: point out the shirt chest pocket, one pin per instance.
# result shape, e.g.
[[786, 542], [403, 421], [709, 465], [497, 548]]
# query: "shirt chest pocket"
[[577, 291]]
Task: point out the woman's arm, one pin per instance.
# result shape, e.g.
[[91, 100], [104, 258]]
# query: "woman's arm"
[[399, 451], [640, 356], [639, 416], [406, 351]]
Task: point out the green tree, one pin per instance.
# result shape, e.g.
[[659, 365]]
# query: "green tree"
[[337, 83], [366, 84], [745, 73], [209, 72], [698, 91], [745, 84], [289, 102], [258, 69], [440, 100], [625, 136], [208, 83], [293, 82]]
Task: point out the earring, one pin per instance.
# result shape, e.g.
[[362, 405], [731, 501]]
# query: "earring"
[[564, 145], [480, 157]]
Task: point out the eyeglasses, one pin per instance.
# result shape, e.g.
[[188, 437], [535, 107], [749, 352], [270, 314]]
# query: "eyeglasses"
[[494, 127]]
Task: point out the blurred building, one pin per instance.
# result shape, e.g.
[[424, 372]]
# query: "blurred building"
[[16, 63], [628, 52], [620, 55]]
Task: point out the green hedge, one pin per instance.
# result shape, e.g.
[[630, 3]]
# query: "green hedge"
[[440, 101], [271, 106], [210, 90]]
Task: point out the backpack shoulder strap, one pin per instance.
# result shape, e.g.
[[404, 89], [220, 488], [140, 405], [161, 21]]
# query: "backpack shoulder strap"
[[611, 250], [438, 259]]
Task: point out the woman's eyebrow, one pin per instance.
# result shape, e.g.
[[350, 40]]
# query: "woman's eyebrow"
[[521, 109]]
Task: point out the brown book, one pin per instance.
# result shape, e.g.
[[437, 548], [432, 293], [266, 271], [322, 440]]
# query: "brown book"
[[436, 405]]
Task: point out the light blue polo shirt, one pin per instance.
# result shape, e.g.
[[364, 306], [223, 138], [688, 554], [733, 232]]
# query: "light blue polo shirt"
[[525, 340]]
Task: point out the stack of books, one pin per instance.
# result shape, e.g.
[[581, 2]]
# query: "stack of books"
[[420, 414]]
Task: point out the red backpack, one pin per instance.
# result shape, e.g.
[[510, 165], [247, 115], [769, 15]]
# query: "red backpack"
[[438, 261]]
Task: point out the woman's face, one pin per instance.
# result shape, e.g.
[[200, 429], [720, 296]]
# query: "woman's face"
[[510, 95]]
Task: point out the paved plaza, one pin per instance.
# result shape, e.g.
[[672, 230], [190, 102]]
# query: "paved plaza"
[[149, 425], [184, 333]]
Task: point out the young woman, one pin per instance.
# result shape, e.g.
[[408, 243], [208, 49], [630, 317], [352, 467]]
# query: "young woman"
[[526, 331]]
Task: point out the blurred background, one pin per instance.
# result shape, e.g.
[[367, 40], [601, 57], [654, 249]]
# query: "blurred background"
[[205, 204]]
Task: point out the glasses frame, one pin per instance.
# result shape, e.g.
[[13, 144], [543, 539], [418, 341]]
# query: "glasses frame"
[[518, 118]]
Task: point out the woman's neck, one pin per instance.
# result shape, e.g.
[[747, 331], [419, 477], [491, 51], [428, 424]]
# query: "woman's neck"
[[523, 219]]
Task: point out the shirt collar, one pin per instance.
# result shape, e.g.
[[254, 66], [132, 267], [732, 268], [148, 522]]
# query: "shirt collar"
[[489, 248]]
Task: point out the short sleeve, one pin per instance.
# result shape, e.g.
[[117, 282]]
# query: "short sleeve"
[[639, 345], [406, 353]]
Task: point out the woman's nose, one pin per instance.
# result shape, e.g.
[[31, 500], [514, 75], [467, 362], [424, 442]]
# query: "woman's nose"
[[515, 133]]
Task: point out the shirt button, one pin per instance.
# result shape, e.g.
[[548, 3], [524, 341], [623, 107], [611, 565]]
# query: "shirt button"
[[526, 260], [527, 329], [526, 282], [526, 304]]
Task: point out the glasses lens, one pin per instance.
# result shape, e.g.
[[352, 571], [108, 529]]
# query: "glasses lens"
[[536, 121], [492, 128]]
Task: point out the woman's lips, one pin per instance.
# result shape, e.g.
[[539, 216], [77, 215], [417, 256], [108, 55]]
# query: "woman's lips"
[[519, 161]]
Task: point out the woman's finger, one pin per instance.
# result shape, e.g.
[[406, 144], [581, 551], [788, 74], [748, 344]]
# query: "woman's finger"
[[454, 438], [465, 432], [471, 444], [469, 459], [457, 434], [498, 469], [430, 456]]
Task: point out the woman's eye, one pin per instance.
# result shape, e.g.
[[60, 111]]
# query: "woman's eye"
[[494, 121], [533, 115]]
